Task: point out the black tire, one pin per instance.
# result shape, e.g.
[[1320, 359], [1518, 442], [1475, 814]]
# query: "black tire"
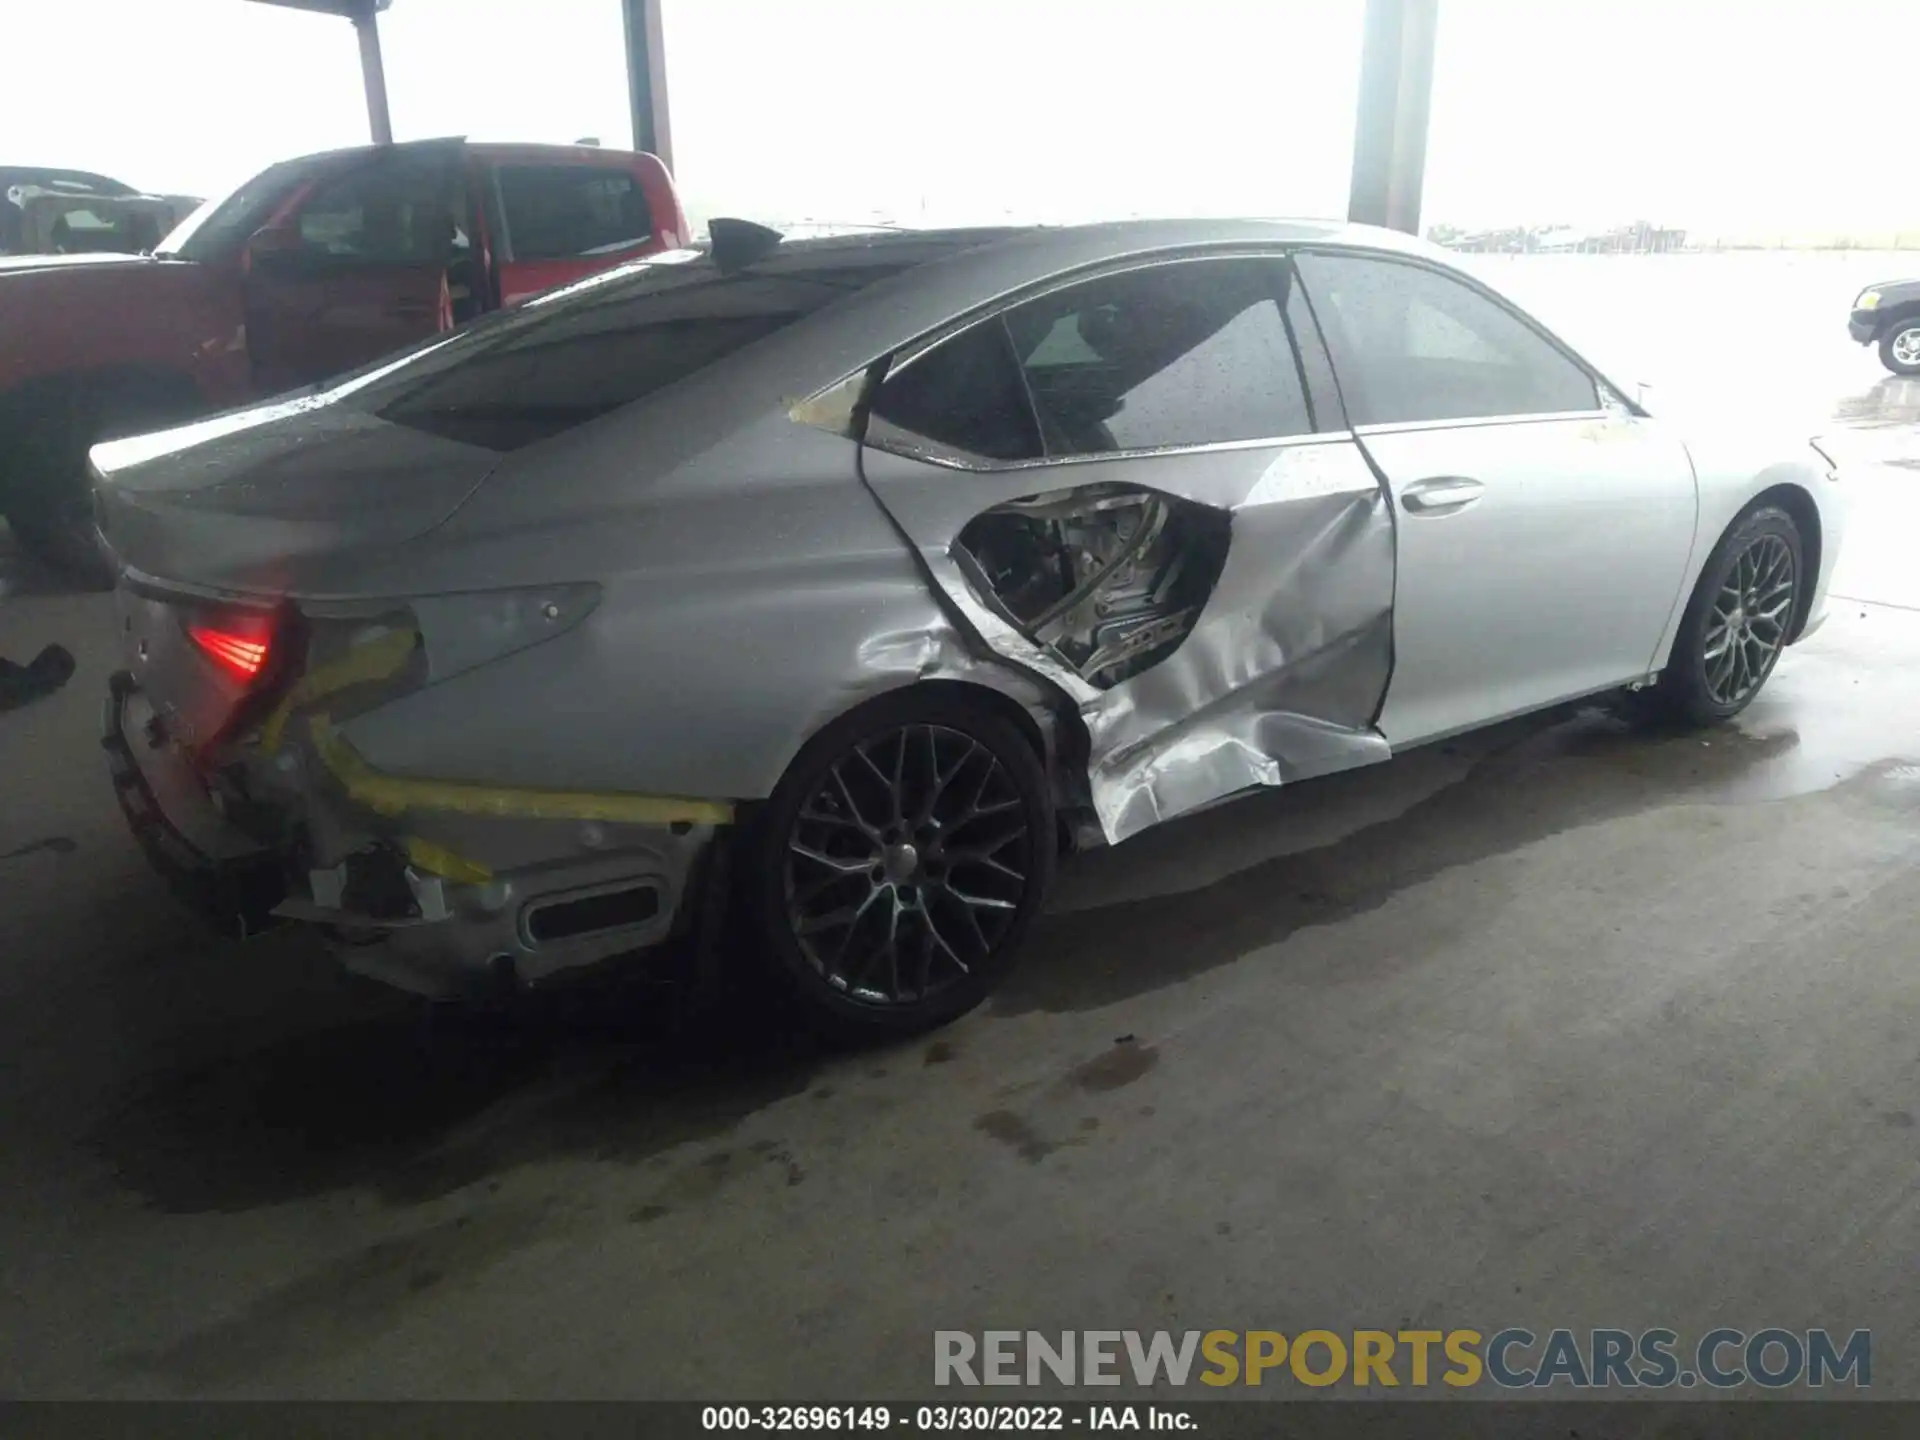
[[1901, 337], [49, 496], [910, 874], [1702, 683]]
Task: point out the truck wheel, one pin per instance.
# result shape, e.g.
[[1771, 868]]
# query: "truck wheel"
[[49, 499], [1900, 346]]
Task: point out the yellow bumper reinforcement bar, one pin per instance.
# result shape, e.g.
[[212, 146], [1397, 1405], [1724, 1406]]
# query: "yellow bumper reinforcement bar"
[[434, 859], [377, 659], [396, 794]]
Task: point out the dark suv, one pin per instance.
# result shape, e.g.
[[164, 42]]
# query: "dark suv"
[[1889, 314]]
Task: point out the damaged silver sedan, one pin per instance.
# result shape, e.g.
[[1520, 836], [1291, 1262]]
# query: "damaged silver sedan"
[[838, 585]]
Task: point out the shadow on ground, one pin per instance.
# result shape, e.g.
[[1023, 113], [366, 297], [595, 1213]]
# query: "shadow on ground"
[[1547, 776], [413, 1105]]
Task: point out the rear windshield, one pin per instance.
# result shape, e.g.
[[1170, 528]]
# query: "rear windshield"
[[577, 353]]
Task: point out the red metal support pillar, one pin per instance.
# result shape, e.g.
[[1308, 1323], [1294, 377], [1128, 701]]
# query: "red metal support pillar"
[[1390, 130]]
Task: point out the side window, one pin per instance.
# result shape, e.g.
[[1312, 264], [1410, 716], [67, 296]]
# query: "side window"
[[1412, 344], [964, 395], [1185, 353], [558, 212], [383, 214]]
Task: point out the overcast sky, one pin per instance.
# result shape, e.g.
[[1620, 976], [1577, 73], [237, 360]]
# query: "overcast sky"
[[1716, 115]]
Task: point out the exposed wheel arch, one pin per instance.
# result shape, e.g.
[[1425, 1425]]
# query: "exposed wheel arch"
[[1045, 719], [1001, 701]]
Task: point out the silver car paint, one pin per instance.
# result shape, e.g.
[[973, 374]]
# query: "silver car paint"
[[1733, 468], [1557, 547], [736, 551], [1284, 670], [751, 587], [736, 618]]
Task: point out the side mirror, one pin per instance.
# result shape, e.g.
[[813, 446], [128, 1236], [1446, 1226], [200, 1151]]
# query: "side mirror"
[[1643, 391], [274, 250]]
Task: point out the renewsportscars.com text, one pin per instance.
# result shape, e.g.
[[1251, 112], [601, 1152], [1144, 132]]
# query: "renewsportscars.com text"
[[1510, 1359]]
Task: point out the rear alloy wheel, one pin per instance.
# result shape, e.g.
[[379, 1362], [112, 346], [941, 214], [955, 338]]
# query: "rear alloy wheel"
[[1739, 620], [900, 862], [1900, 347]]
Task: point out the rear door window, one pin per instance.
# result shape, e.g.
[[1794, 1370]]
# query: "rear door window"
[[1414, 345], [562, 212], [1183, 353], [964, 397]]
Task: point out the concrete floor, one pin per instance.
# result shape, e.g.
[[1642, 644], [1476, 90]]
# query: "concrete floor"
[[1560, 1024]]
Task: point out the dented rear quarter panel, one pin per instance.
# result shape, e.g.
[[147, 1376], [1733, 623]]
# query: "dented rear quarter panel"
[[735, 618], [752, 588]]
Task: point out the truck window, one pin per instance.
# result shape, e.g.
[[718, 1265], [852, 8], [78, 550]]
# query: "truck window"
[[388, 213], [224, 223], [559, 212]]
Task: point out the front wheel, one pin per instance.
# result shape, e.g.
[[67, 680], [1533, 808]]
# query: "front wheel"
[[1900, 346], [898, 865], [1738, 620]]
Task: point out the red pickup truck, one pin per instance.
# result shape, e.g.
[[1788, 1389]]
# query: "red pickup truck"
[[311, 268]]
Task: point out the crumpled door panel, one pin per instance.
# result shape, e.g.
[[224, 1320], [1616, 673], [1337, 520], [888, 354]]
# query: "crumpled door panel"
[[1221, 618], [1107, 577]]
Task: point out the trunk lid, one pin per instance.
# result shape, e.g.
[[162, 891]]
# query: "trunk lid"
[[244, 502]]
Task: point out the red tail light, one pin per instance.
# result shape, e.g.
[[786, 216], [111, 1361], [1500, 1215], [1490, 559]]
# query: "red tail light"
[[241, 653]]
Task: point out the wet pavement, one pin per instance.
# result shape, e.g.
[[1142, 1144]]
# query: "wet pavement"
[[1567, 1022]]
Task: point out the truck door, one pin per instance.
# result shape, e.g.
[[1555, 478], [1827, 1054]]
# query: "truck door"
[[557, 219], [359, 266]]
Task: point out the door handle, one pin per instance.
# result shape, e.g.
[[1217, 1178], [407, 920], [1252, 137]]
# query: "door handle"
[[1442, 495]]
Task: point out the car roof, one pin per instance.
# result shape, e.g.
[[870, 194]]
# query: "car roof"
[[500, 150], [1117, 236], [11, 175], [905, 285]]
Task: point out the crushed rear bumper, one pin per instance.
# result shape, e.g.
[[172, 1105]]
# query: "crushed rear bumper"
[[210, 866], [401, 902]]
